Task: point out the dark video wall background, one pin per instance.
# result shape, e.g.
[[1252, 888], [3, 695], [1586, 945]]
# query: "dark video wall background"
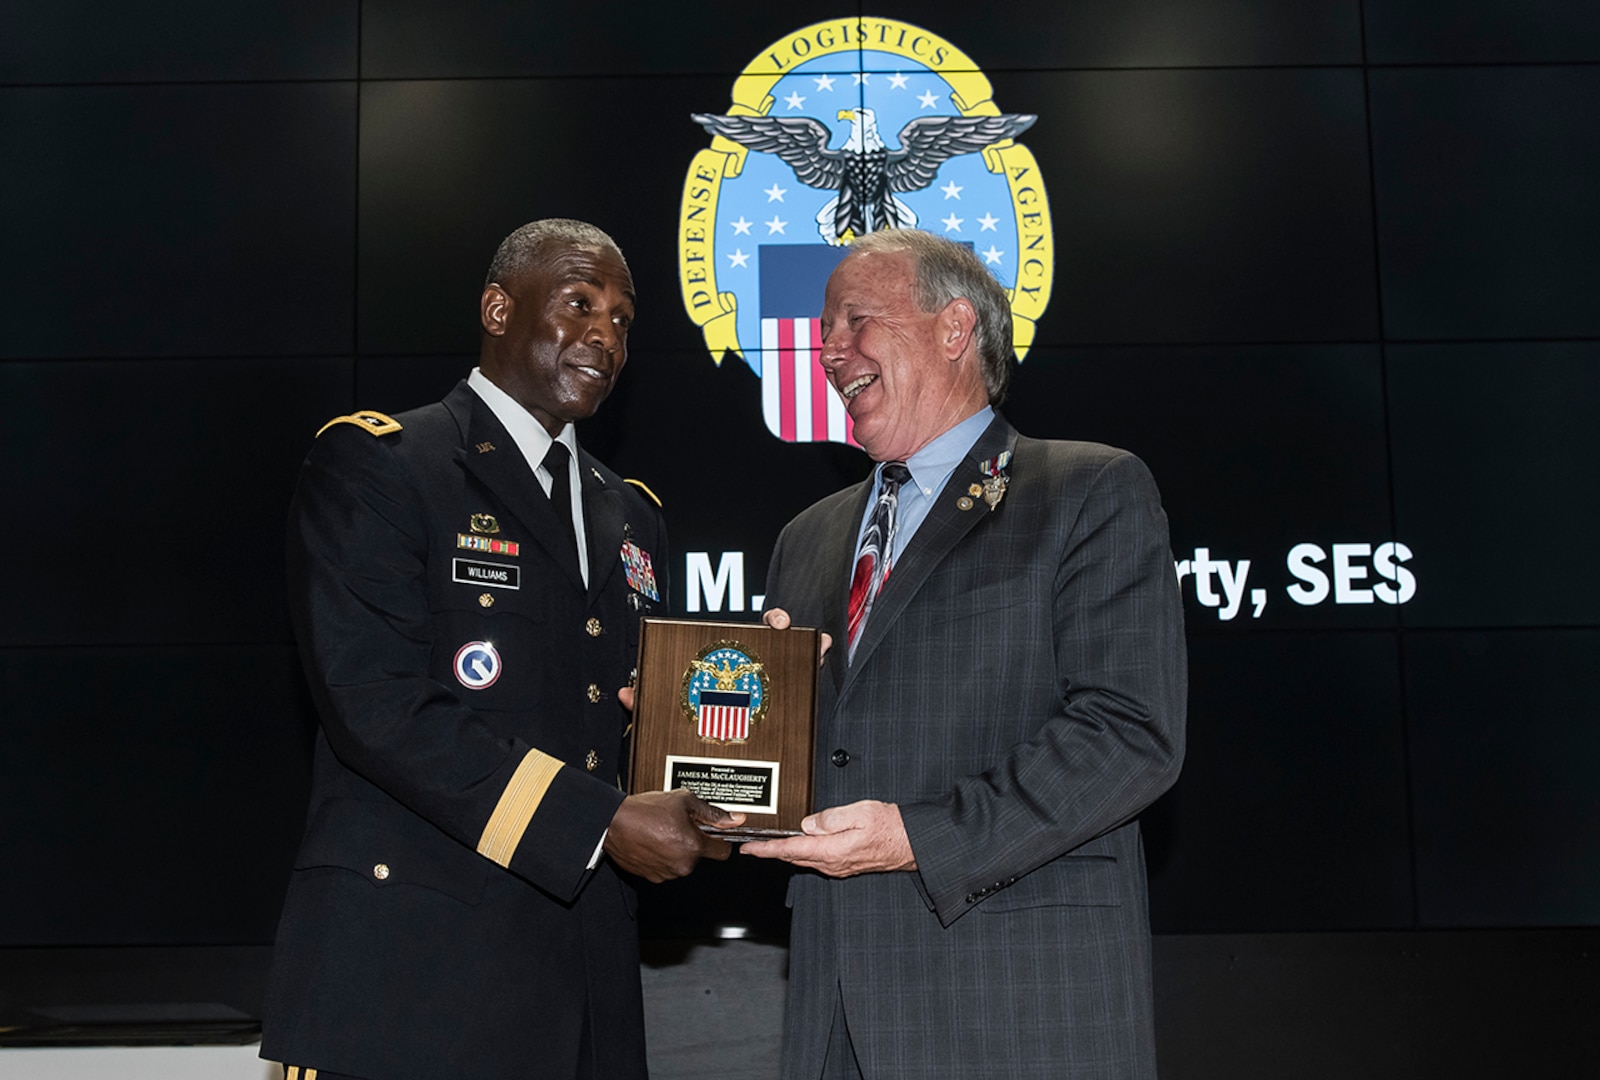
[[1330, 267]]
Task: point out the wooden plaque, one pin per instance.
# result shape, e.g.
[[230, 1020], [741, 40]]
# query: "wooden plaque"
[[729, 711]]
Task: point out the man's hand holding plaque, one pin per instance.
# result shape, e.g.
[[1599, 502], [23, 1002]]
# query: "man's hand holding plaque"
[[660, 835]]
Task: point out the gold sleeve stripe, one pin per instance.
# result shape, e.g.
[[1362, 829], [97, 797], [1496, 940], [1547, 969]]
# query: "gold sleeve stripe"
[[293, 1072], [375, 423], [642, 486], [516, 806]]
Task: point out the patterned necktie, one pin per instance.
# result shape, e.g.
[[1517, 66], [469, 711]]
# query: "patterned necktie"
[[877, 548], [555, 463]]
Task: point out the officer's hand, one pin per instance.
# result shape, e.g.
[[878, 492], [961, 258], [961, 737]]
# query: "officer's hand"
[[657, 836]]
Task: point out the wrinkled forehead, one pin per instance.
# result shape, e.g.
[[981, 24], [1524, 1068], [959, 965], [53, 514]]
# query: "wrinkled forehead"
[[874, 277]]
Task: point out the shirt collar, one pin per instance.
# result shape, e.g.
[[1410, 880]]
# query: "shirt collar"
[[932, 465], [530, 436]]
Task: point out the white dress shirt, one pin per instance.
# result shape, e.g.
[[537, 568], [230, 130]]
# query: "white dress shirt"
[[534, 442]]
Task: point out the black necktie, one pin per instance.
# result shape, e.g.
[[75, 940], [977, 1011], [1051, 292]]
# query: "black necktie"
[[875, 554], [555, 463]]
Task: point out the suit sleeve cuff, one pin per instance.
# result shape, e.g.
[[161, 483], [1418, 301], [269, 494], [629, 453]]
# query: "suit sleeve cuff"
[[518, 803], [938, 877], [549, 823]]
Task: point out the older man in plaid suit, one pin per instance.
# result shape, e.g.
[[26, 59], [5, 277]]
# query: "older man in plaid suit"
[[1005, 695]]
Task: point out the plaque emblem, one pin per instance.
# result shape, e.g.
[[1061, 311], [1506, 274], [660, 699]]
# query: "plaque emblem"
[[724, 692]]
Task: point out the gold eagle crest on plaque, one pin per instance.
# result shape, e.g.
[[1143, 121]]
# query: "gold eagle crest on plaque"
[[724, 692]]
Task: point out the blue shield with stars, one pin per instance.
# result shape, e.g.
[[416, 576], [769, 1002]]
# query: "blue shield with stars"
[[725, 692]]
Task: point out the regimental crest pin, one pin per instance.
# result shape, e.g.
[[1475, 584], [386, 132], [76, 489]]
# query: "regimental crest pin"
[[724, 692], [834, 131]]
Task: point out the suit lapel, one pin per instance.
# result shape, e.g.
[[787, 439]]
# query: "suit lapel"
[[504, 471], [938, 534], [603, 523]]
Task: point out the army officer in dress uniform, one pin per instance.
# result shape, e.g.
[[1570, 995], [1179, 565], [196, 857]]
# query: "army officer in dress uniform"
[[467, 586]]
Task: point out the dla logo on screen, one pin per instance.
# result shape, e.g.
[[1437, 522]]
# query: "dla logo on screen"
[[837, 130]]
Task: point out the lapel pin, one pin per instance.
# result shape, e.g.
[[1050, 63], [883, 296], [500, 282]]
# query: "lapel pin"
[[485, 447], [995, 479], [964, 503]]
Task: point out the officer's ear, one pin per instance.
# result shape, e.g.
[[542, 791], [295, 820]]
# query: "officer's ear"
[[494, 309]]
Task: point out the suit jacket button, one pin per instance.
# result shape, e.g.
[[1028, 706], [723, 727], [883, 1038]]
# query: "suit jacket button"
[[381, 871], [973, 898], [592, 626], [594, 693], [840, 758]]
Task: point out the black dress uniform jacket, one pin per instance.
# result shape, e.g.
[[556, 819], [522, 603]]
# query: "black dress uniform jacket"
[[441, 920]]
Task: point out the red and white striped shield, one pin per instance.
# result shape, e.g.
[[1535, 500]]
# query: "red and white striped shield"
[[724, 715]]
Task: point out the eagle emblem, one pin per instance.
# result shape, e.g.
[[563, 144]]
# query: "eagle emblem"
[[835, 131], [865, 172], [724, 692]]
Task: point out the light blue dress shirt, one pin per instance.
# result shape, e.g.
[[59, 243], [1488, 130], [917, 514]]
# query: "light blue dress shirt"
[[930, 471]]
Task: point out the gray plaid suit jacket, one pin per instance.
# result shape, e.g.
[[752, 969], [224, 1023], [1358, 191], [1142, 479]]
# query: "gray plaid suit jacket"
[[1019, 690]]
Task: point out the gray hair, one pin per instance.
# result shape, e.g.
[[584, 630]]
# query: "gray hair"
[[529, 246], [944, 271]]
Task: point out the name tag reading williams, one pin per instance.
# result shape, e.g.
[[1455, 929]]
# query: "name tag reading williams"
[[493, 574]]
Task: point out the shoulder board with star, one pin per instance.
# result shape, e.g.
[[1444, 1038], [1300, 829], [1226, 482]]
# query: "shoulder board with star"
[[642, 486], [373, 423]]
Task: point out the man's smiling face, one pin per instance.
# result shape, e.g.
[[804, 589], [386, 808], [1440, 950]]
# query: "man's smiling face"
[[888, 359], [562, 332]]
